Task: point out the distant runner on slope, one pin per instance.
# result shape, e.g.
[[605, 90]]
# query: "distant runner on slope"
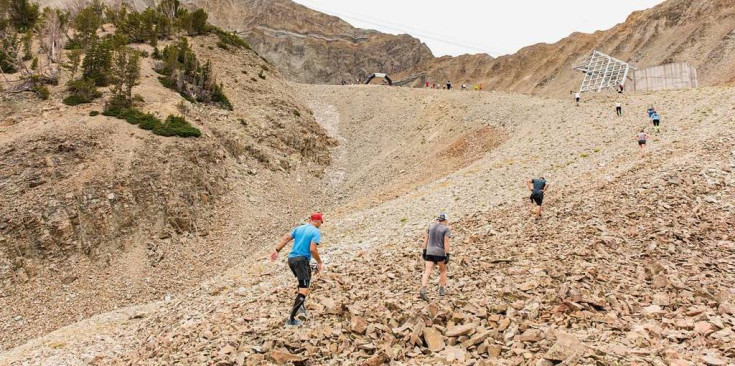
[[577, 97], [306, 239], [656, 121], [537, 187], [619, 109], [436, 251], [642, 139]]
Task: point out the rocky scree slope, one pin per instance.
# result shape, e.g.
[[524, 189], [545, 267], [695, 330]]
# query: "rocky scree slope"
[[700, 32], [389, 136], [631, 263], [97, 214]]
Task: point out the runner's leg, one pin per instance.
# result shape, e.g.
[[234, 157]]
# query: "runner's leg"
[[427, 272], [443, 271]]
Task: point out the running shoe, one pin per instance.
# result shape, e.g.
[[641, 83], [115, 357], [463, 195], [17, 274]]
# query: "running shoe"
[[294, 322], [422, 294]]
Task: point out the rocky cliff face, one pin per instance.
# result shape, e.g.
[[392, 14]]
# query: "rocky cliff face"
[[311, 47], [700, 32]]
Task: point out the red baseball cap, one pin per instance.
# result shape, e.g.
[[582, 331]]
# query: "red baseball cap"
[[316, 216]]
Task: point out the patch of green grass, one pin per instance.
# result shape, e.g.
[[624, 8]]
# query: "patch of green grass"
[[73, 100], [584, 155], [94, 113], [219, 97], [228, 39], [261, 74], [176, 126], [173, 126], [296, 113]]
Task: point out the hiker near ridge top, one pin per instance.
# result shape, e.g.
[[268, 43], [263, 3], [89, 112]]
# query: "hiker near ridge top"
[[449, 85], [577, 97], [306, 239], [537, 186], [436, 251], [619, 109]]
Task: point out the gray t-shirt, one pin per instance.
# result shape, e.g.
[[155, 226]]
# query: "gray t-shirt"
[[437, 232], [538, 185]]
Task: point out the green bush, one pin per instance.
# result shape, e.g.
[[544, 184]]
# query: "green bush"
[[97, 62], [176, 126], [81, 91], [199, 22], [42, 91], [34, 64], [173, 126], [86, 24], [73, 100], [94, 113], [21, 14], [229, 39], [219, 97], [261, 75], [296, 113], [183, 73], [8, 55]]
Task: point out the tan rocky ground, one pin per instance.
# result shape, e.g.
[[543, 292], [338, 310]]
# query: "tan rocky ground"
[[632, 263], [97, 214]]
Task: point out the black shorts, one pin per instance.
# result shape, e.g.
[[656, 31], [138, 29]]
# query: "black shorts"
[[577, 99], [537, 198], [435, 258], [301, 269], [656, 122], [641, 142]]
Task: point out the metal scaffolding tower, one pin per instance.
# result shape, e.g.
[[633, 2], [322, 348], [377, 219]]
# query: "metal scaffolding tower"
[[602, 71]]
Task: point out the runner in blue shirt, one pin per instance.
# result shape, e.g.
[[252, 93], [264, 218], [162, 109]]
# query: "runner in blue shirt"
[[306, 239]]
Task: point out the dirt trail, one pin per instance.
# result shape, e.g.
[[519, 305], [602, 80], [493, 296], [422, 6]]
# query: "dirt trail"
[[521, 291]]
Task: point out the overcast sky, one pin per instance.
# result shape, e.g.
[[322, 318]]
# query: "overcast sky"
[[457, 27]]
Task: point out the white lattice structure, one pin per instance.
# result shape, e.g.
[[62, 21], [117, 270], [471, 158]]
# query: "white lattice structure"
[[602, 71]]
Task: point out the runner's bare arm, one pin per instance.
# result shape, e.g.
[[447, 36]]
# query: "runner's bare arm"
[[286, 238], [529, 183], [446, 244], [315, 253], [426, 241], [546, 188]]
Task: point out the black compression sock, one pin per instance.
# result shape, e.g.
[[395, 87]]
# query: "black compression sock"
[[297, 304]]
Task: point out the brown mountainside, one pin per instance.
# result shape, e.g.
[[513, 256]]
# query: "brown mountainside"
[[310, 47], [96, 213], [700, 32]]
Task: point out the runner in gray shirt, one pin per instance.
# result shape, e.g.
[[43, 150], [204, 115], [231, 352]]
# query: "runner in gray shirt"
[[436, 251]]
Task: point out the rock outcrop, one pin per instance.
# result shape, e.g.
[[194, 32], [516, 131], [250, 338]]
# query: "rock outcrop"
[[311, 47]]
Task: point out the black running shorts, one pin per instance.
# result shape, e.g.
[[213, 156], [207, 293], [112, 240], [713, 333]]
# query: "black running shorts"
[[656, 122], [537, 198], [641, 142], [301, 269], [435, 258]]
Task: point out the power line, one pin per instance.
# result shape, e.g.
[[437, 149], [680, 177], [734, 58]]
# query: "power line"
[[402, 29]]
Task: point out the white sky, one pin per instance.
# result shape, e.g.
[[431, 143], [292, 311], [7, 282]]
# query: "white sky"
[[496, 27]]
